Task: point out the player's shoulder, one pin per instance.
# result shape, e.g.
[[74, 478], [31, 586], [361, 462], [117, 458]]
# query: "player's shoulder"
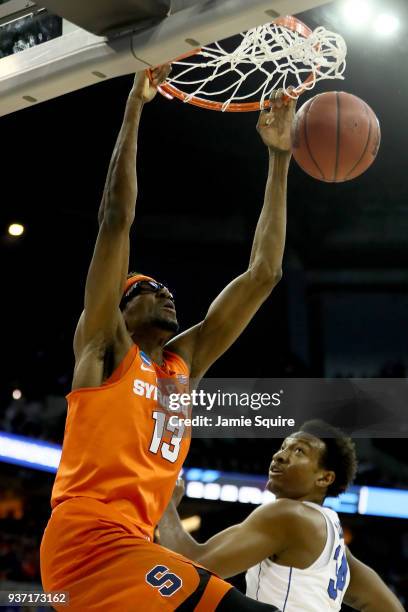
[[286, 505], [290, 512], [290, 509]]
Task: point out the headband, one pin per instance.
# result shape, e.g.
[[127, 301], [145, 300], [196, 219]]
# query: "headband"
[[135, 279]]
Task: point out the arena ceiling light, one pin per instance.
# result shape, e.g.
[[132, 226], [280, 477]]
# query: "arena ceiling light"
[[357, 12], [16, 229], [386, 24]]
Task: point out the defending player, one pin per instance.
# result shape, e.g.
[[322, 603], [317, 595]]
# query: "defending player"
[[120, 457], [293, 548]]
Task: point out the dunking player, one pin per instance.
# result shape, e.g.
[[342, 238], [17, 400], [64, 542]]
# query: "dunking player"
[[121, 457], [293, 548]]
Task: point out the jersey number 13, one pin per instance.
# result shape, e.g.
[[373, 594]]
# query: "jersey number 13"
[[169, 450]]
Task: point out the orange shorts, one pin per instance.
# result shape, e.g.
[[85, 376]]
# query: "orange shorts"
[[104, 563]]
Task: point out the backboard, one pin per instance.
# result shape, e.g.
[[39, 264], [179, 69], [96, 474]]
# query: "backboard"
[[104, 39]]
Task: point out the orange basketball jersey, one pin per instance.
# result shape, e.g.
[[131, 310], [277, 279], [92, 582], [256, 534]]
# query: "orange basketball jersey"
[[120, 446]]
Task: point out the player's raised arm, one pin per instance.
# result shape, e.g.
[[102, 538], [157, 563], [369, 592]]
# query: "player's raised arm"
[[233, 309], [265, 532], [366, 591], [109, 265]]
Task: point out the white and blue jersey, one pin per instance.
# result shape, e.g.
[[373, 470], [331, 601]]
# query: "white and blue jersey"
[[319, 587]]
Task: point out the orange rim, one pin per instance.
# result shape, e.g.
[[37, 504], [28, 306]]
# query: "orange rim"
[[170, 91]]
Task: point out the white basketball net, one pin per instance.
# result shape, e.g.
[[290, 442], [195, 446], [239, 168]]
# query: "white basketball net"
[[268, 57]]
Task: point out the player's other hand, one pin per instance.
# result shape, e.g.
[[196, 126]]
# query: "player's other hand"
[[145, 86], [275, 124], [178, 492]]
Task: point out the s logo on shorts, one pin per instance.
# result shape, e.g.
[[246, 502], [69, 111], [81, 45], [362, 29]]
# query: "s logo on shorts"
[[160, 578]]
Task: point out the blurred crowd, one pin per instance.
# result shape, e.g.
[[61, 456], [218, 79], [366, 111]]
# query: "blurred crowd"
[[19, 550], [41, 419]]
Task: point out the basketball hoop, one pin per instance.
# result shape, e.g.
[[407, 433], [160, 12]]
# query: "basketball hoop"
[[239, 74]]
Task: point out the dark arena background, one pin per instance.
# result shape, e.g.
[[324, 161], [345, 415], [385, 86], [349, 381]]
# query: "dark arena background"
[[340, 310]]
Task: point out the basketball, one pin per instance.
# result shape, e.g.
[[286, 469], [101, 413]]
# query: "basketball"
[[336, 137]]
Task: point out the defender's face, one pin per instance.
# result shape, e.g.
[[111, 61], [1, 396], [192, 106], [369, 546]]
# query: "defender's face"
[[152, 308], [294, 470]]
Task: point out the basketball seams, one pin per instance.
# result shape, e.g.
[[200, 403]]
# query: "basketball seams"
[[336, 163], [377, 141], [367, 111], [337, 138], [307, 111]]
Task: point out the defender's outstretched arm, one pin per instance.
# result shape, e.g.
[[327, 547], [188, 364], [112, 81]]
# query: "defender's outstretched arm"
[[263, 533]]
